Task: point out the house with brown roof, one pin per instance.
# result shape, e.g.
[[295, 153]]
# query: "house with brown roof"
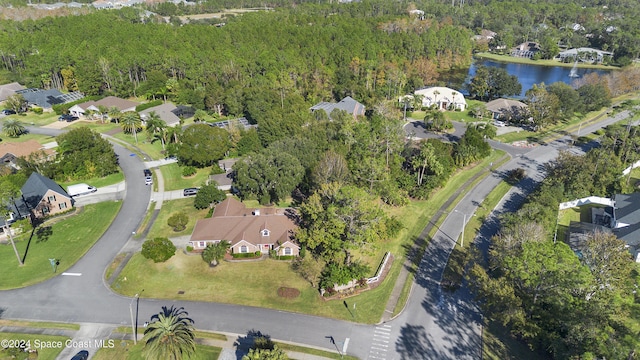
[[9, 152], [247, 230], [108, 102], [507, 109]]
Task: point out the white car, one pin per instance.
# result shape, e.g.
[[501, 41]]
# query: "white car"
[[499, 123], [148, 180]]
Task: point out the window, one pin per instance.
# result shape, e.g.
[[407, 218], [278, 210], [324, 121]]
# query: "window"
[[202, 244], [52, 198], [62, 205], [287, 251], [45, 210], [265, 232], [244, 249]]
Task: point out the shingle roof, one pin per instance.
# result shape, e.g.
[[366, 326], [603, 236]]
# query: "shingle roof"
[[21, 149], [347, 104], [36, 187], [121, 104], [627, 215], [7, 90], [505, 105], [166, 112], [233, 222]]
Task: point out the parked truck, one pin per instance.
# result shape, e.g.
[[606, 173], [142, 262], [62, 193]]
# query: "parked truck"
[[80, 189]]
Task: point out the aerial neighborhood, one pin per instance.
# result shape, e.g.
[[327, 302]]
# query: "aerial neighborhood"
[[351, 179]]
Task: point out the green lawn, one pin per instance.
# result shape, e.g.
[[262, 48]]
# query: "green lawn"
[[124, 349], [152, 149], [94, 125], [520, 60], [70, 239], [160, 227], [40, 324], [98, 181], [44, 353], [173, 180], [42, 139], [33, 119]]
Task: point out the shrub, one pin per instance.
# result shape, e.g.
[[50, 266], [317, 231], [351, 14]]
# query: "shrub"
[[178, 221], [189, 248], [150, 104], [188, 171], [159, 249], [207, 195], [285, 257], [215, 170], [245, 255], [37, 110]]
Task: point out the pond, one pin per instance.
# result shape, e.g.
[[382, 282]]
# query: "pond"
[[528, 75]]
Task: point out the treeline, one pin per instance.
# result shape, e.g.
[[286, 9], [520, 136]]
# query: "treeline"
[[568, 305]]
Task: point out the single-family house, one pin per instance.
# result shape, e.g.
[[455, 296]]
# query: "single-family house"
[[247, 230], [443, 98], [526, 50], [239, 123], [586, 55], [7, 90], [167, 112], [109, 102], [9, 152], [224, 179], [47, 98], [43, 197], [507, 109], [347, 104]]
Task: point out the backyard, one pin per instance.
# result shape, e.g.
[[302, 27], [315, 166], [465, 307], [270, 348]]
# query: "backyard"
[[159, 228]]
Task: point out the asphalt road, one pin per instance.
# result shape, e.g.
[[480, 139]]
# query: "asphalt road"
[[434, 324]]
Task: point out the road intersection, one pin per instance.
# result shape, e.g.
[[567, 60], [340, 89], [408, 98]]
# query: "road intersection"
[[433, 325]]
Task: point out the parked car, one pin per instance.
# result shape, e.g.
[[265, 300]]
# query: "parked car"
[[499, 123], [8, 112], [81, 355], [67, 117], [148, 180], [147, 172], [190, 191]]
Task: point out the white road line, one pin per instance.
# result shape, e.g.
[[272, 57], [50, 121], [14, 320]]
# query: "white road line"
[[71, 274], [375, 357], [384, 333], [385, 343], [383, 329], [387, 326], [344, 346], [373, 347]]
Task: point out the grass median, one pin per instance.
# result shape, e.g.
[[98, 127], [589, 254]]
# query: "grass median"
[[70, 238]]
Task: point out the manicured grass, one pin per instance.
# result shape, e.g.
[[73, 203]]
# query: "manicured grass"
[[311, 351], [519, 60], [94, 125], [145, 221], [160, 227], [40, 324], [173, 180], [97, 181], [124, 349], [33, 119], [43, 352], [42, 139], [71, 238], [153, 150]]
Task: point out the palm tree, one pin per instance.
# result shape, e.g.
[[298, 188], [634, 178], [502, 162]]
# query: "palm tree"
[[131, 123], [13, 128], [214, 252], [103, 110], [155, 126], [114, 113], [169, 335]]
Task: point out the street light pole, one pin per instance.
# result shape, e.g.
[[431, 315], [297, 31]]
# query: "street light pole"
[[134, 328], [464, 224]]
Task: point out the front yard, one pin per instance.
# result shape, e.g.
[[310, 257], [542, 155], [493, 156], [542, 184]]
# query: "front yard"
[[44, 353], [70, 238], [126, 350]]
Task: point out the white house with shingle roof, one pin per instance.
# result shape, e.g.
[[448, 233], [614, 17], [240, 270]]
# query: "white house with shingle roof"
[[109, 102], [443, 98], [7, 90]]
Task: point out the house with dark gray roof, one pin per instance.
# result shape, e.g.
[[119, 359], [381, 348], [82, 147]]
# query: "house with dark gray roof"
[[47, 98], [43, 197], [347, 104], [167, 112], [626, 221]]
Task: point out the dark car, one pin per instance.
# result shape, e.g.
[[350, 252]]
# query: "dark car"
[[147, 172], [81, 355], [8, 112], [190, 191], [67, 117]]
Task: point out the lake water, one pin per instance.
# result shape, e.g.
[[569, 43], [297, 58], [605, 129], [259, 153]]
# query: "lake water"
[[528, 75]]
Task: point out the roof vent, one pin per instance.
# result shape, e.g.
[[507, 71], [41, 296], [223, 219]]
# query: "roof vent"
[[256, 212]]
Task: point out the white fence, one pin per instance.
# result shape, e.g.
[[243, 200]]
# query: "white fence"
[[633, 166], [586, 201], [380, 269]]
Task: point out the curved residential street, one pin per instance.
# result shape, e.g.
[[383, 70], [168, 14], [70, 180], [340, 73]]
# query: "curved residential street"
[[434, 324]]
